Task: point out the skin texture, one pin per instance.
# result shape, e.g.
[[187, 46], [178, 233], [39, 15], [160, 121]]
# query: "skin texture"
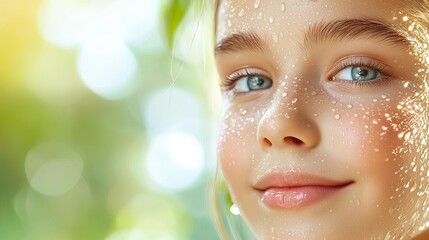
[[312, 120]]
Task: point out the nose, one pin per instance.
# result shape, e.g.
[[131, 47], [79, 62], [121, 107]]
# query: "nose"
[[285, 126]]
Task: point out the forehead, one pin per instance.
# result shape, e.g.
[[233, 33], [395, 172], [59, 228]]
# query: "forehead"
[[291, 17]]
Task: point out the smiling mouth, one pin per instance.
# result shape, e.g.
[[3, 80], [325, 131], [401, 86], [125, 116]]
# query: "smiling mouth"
[[296, 190]]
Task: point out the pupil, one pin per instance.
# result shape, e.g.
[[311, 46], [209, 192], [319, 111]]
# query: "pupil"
[[363, 72], [255, 82]]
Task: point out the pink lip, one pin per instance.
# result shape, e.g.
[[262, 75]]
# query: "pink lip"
[[294, 190]]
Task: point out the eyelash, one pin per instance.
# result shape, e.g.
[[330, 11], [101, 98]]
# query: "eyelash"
[[229, 81], [358, 61]]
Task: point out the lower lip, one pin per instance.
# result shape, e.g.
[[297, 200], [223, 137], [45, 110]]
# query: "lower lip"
[[296, 197]]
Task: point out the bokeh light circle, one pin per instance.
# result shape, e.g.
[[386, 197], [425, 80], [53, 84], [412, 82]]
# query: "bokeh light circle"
[[68, 23], [53, 169], [175, 161], [107, 66], [132, 234], [169, 108]]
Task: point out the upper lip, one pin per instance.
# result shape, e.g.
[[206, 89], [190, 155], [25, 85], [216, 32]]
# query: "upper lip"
[[296, 179]]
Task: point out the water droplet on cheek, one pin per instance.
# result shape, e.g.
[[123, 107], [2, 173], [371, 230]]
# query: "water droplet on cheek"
[[337, 116], [406, 84], [282, 7], [241, 13], [243, 111], [284, 94], [271, 19], [229, 23], [286, 115], [257, 3], [349, 106]]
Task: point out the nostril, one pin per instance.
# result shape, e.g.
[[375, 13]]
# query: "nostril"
[[293, 140], [267, 142]]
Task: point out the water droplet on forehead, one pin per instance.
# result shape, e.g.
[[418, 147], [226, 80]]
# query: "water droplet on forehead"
[[349, 106], [294, 100], [313, 93], [257, 3], [282, 7], [337, 116], [259, 16], [271, 19]]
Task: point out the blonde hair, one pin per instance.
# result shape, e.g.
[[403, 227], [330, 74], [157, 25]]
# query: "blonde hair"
[[217, 213]]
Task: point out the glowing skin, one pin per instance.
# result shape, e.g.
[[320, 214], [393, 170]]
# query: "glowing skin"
[[307, 111]]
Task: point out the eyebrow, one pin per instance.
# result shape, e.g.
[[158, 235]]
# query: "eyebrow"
[[345, 29], [240, 42], [319, 33]]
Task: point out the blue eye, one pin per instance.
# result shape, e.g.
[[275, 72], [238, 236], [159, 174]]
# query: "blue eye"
[[253, 83], [358, 73]]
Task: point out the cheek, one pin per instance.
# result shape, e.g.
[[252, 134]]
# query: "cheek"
[[389, 155], [368, 146], [237, 146]]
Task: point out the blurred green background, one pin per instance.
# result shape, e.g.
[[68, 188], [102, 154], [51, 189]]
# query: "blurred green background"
[[107, 119]]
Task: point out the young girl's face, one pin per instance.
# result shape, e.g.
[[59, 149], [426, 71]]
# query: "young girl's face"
[[324, 125]]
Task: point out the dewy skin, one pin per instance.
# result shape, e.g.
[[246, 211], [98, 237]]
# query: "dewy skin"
[[324, 131]]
